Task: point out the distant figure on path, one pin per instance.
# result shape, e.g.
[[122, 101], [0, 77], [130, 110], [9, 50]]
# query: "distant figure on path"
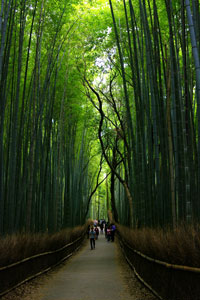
[[97, 232], [101, 226], [92, 235], [108, 234], [113, 229]]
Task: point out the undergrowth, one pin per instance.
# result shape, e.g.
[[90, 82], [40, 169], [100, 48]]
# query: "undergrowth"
[[16, 247], [178, 246]]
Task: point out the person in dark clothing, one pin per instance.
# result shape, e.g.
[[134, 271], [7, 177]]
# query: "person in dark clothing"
[[113, 229], [92, 235], [108, 234], [101, 227], [97, 232]]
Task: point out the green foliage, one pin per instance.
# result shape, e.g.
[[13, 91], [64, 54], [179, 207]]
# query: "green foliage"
[[142, 67]]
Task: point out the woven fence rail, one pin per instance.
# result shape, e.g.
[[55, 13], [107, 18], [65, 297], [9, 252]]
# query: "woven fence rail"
[[14, 275], [166, 281]]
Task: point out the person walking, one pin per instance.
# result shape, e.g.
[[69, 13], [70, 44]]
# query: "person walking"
[[108, 233], [101, 227], [92, 235], [97, 232], [113, 229]]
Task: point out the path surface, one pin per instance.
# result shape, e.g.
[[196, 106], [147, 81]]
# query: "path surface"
[[92, 275], [89, 275]]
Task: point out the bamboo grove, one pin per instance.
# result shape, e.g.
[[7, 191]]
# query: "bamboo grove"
[[99, 93], [153, 119], [45, 177], [158, 48]]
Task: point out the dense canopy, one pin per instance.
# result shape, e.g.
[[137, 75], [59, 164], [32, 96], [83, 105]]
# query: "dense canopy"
[[99, 111]]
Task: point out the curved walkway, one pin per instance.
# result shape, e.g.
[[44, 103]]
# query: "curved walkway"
[[99, 274], [92, 275]]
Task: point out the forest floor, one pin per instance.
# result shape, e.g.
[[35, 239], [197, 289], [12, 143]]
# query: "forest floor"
[[89, 275]]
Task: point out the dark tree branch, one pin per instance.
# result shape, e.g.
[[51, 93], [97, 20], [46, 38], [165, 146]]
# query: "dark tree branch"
[[97, 185]]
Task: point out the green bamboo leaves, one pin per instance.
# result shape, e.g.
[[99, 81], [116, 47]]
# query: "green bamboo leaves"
[[44, 144], [162, 89], [138, 63]]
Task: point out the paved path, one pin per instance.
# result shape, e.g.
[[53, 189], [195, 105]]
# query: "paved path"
[[100, 274], [90, 275]]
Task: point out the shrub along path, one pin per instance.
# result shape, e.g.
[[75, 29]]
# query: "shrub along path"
[[89, 275]]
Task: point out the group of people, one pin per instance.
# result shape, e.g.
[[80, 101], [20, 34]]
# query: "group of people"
[[93, 232]]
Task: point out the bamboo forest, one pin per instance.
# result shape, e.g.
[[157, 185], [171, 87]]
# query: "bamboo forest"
[[99, 111]]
